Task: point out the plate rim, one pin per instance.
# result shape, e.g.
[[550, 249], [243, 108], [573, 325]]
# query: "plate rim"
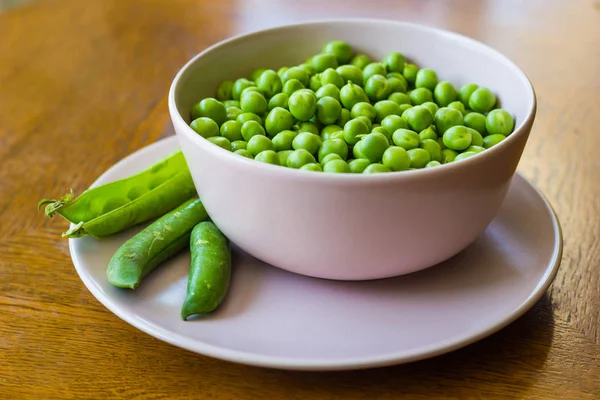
[[309, 364]]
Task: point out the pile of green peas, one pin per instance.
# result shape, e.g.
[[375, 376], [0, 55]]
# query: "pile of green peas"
[[344, 112]]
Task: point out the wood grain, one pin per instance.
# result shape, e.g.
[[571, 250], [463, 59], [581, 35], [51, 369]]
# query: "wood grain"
[[84, 83]]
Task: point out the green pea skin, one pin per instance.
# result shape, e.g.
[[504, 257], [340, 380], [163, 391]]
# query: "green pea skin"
[[328, 110], [360, 61], [426, 78], [291, 86], [308, 127], [329, 90], [475, 120], [310, 70], [373, 69], [283, 140], [224, 91], [404, 107], [233, 113], [358, 165], [279, 100], [221, 142], [475, 149], [333, 146], [268, 156], [376, 88], [353, 129], [418, 118], [342, 51], [279, 119], [383, 131], [296, 73], [492, 140], [396, 85], [239, 145], [254, 102], [328, 130], [259, 143], [376, 169], [345, 116], [307, 141], [205, 127], [270, 83], [350, 94], [406, 139], [210, 108], [410, 73], [428, 133], [431, 106], [432, 164], [366, 120], [330, 157], [457, 105], [321, 62], [239, 86], [477, 139], [448, 155], [330, 76], [444, 93], [385, 108], [250, 129], [303, 105], [458, 138], [499, 122], [363, 109], [243, 153], [283, 156], [396, 158], [392, 123], [465, 92], [247, 116], [351, 73], [281, 71], [433, 148], [256, 74], [446, 118], [231, 130], [482, 100], [440, 141], [231, 103], [418, 157], [373, 146], [420, 95], [400, 98], [336, 166], [464, 155], [315, 82], [298, 158], [312, 167], [394, 62]]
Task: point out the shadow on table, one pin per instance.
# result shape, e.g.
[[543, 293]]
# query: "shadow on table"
[[510, 361]]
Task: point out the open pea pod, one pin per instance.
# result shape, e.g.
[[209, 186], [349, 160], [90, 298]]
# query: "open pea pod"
[[119, 205]]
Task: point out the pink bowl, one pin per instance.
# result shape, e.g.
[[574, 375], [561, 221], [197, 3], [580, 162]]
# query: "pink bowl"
[[346, 226]]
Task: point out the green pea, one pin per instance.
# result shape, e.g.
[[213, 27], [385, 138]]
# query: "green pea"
[[221, 142], [363, 109], [308, 127], [298, 158], [475, 149], [231, 130], [254, 102], [303, 105], [396, 158], [296, 73], [315, 82], [475, 120], [333, 146], [396, 85], [366, 120], [252, 128], [492, 140], [283, 140], [458, 138], [410, 73], [239, 86], [499, 122], [373, 69], [383, 131], [279, 100], [446, 118], [342, 51], [406, 139], [420, 95], [329, 90], [431, 106], [433, 148], [345, 116], [307, 141], [283, 156], [243, 153], [385, 108], [457, 105], [231, 103], [464, 155], [373, 146], [279, 119], [205, 127], [268, 156], [353, 129], [291, 86], [418, 157], [310, 70], [360, 61], [312, 167], [426, 78], [328, 110], [281, 71], [418, 118], [404, 107], [224, 91], [245, 117], [400, 98], [432, 164], [351, 73], [393, 122], [336, 166], [239, 144], [350, 94], [270, 83], [394, 62], [259, 143], [477, 139], [465, 92], [210, 108], [376, 88], [328, 130], [440, 141], [321, 62], [358, 165], [330, 157], [444, 93], [330, 76], [428, 133], [448, 155], [251, 89], [256, 74], [482, 100], [233, 113], [376, 169]]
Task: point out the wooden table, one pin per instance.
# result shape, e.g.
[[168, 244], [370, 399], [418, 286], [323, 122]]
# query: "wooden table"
[[84, 83]]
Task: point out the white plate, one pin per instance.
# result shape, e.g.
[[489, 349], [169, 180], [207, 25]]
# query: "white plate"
[[275, 318]]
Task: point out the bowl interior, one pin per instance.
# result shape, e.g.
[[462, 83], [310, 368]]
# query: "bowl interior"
[[455, 58]]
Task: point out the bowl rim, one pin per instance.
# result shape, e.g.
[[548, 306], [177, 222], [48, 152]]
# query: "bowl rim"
[[277, 170]]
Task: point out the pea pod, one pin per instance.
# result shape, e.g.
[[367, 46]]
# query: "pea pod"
[[161, 240], [210, 270], [118, 205]]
